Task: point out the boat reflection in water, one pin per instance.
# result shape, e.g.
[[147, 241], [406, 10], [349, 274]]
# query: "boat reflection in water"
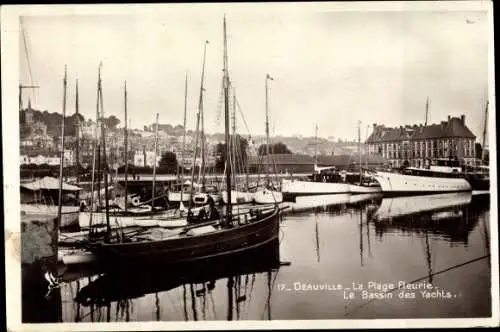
[[198, 289], [329, 203], [451, 216]]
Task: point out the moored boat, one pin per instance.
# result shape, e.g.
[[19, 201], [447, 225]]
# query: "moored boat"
[[238, 197], [408, 184], [214, 237], [267, 196], [294, 188], [478, 177], [364, 188], [441, 176]]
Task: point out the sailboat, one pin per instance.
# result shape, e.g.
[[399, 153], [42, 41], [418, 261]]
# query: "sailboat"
[[227, 236], [144, 214], [268, 194]]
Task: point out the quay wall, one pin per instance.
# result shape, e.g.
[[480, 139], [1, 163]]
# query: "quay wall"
[[39, 236]]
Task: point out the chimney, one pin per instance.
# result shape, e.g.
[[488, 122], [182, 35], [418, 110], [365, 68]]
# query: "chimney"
[[462, 119], [449, 117], [374, 126]]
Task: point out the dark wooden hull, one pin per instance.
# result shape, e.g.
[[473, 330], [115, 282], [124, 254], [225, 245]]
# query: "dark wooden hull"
[[136, 280], [223, 242]]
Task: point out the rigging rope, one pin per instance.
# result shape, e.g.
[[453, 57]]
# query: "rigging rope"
[[28, 60]]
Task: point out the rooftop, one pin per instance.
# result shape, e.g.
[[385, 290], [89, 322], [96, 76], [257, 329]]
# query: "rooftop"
[[454, 127]]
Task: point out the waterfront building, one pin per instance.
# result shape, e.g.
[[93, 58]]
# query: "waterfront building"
[[412, 145], [38, 157], [146, 158]]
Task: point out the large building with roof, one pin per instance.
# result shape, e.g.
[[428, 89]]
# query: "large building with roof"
[[413, 145]]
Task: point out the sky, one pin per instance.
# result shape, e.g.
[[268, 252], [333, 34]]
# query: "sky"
[[330, 68]]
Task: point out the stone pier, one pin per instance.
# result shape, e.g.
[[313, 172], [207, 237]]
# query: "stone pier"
[[39, 236]]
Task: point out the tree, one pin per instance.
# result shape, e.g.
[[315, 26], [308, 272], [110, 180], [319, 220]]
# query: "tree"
[[278, 148], [111, 122], [241, 154], [168, 161]]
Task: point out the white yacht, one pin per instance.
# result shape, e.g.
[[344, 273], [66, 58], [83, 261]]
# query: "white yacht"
[[438, 176]]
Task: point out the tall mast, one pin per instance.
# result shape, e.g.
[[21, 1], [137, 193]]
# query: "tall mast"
[[154, 163], [77, 133], [184, 133], [105, 162], [229, 210], [426, 111], [267, 126], [61, 161], [99, 119], [95, 153], [200, 107], [125, 143], [484, 130], [359, 151]]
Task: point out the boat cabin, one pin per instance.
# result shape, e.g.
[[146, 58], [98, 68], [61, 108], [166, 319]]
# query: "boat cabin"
[[439, 167]]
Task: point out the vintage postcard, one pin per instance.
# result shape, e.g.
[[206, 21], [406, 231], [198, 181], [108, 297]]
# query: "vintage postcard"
[[250, 165]]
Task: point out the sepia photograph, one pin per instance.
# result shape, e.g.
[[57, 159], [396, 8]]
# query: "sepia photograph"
[[249, 165]]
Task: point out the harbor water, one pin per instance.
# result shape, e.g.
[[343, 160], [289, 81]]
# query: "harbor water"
[[342, 257]]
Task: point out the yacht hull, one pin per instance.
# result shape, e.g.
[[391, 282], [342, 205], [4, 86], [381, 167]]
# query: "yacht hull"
[[198, 247], [355, 189], [395, 184], [294, 188]]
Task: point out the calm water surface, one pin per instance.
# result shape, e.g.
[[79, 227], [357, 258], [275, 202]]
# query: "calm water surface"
[[331, 242]]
